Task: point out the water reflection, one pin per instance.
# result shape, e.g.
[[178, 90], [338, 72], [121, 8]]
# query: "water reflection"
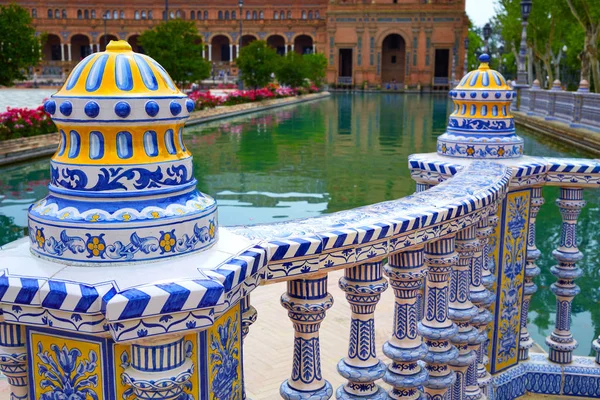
[[335, 154]]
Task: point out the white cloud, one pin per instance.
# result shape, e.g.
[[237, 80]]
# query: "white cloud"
[[481, 11]]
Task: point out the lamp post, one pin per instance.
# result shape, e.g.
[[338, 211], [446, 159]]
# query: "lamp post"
[[166, 10], [105, 18], [466, 67], [487, 33], [522, 70], [240, 82]]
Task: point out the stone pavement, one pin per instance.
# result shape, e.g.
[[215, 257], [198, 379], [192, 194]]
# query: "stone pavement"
[[29, 98]]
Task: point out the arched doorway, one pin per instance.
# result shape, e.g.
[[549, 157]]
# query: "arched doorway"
[[133, 42], [80, 47], [247, 39], [103, 44], [303, 44], [221, 51], [52, 50], [277, 42], [393, 59]]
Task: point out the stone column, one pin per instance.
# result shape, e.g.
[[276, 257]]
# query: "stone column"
[[13, 359], [91, 48], [230, 52], [209, 52], [307, 301], [62, 52], [164, 359], [69, 51], [436, 328], [286, 48], [462, 311], [204, 52], [531, 271], [405, 271], [561, 341], [237, 51], [363, 285], [314, 48], [291, 47]]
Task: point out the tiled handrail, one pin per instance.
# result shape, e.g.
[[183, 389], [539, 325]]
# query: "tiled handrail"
[[578, 109]]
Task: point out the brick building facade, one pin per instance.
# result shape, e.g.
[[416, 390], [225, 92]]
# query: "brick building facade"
[[410, 42]]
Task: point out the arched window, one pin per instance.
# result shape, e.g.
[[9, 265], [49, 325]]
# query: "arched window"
[[205, 14], [93, 14], [86, 14], [317, 15], [261, 15], [136, 14], [310, 15], [220, 14], [106, 14], [282, 14], [122, 14], [254, 15], [226, 15], [303, 14], [64, 13], [192, 14], [115, 14], [275, 14], [233, 15], [143, 14], [247, 14], [33, 13], [50, 14], [57, 13], [171, 15], [289, 15], [149, 14], [180, 14]]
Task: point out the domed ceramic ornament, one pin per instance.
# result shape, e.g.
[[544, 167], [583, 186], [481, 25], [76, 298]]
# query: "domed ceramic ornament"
[[481, 125], [122, 185]]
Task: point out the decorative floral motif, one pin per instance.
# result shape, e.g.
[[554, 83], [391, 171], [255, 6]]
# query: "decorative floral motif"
[[95, 245], [65, 375], [167, 241], [224, 358]]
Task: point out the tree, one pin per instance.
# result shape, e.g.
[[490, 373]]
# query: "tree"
[[177, 46], [587, 15], [20, 48], [292, 70], [316, 66], [257, 61]]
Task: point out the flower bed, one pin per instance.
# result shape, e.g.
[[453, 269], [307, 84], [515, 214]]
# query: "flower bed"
[[205, 100], [25, 122]]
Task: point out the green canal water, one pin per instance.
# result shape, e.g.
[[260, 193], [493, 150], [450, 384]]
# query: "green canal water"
[[334, 154]]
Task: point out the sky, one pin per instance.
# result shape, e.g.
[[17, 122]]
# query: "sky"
[[480, 11]]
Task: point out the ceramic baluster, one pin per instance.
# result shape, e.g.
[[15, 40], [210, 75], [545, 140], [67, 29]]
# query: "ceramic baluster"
[[461, 310], [436, 328], [406, 271], [482, 297], [363, 285], [307, 301], [561, 341], [160, 368], [249, 315], [13, 359], [531, 271]]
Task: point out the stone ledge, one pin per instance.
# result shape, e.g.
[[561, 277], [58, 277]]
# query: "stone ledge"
[[580, 137], [21, 149]]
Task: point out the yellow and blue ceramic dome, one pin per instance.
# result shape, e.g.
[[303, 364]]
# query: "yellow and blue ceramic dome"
[[122, 185], [481, 125]]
